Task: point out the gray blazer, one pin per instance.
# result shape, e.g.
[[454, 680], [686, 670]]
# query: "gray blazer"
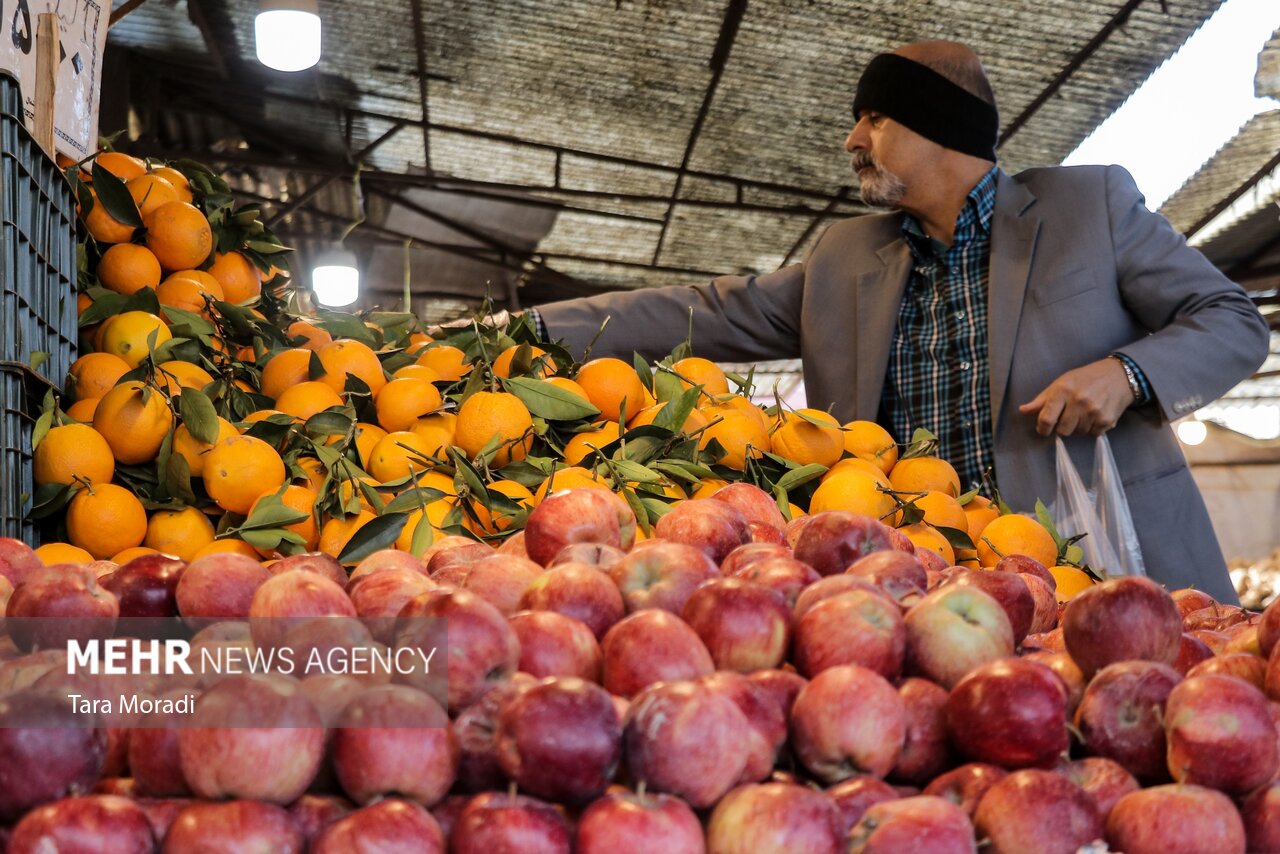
[[1079, 269]]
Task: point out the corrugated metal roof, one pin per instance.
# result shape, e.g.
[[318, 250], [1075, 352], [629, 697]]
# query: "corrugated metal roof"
[[1257, 142], [516, 87]]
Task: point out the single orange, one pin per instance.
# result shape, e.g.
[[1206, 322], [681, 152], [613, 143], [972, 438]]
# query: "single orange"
[[347, 356], [612, 386], [95, 374], [182, 533], [487, 415], [449, 362], [240, 279], [127, 268], [179, 235], [401, 402], [134, 419], [239, 469]]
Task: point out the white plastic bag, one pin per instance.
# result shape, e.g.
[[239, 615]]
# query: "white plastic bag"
[[1102, 513]]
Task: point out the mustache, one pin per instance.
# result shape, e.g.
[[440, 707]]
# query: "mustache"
[[864, 159]]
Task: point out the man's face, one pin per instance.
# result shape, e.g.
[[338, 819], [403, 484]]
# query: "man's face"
[[887, 158]]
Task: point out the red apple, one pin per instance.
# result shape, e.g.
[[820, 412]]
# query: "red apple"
[[786, 575], [628, 823], [587, 515], [796, 527], [594, 554], [1220, 734], [234, 826], [831, 541], [161, 812], [1011, 713], [1124, 619], [652, 646], [389, 825], [1102, 779], [685, 739], [1176, 819], [498, 579], [46, 752], [387, 559], [713, 527], [153, 755], [920, 823], [1269, 629], [380, 596], [283, 600], [829, 586], [1007, 588], [328, 567], [17, 559], [474, 729], [446, 813], [767, 720], [255, 737], [953, 630], [1072, 679], [782, 686], [848, 720], [1122, 716], [1216, 641], [1242, 665], [1045, 617], [853, 628], [745, 626], [219, 586], [495, 822], [745, 555], [1034, 810], [753, 502], [482, 648], [1189, 599], [854, 797], [577, 590], [1191, 651], [774, 818], [59, 603], [661, 575], [1261, 814], [560, 739], [552, 644], [87, 825], [926, 752], [461, 555], [394, 739], [146, 586], [900, 575], [313, 813], [1026, 565], [965, 786]]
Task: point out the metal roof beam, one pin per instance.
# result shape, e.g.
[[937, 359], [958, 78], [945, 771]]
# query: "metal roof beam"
[[1118, 20], [733, 16]]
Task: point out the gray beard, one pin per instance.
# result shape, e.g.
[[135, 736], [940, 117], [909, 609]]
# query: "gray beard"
[[882, 189]]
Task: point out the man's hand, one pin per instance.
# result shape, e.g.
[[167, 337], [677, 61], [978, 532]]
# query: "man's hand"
[[498, 319], [1087, 400]]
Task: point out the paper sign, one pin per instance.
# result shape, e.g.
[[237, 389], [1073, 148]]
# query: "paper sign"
[[82, 31]]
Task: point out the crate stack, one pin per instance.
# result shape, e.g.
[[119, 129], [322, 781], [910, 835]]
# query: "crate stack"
[[37, 298]]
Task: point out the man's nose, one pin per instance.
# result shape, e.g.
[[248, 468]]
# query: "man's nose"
[[857, 138]]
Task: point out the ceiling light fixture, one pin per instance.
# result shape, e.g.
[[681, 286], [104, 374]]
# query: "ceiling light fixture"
[[335, 278], [287, 34], [1192, 432]]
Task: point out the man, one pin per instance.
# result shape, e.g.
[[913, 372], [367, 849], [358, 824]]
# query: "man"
[[994, 310]]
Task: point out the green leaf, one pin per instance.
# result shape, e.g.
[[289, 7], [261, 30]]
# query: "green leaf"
[[637, 507], [342, 325], [376, 535], [177, 479], [643, 370], [38, 358], [187, 323], [143, 299], [330, 422], [270, 538], [114, 196], [967, 497], [656, 508], [277, 515], [677, 410], [262, 247], [466, 476], [1074, 555], [957, 538], [43, 425], [633, 472], [107, 305], [549, 401], [413, 499], [1043, 517], [50, 499], [801, 475], [199, 415], [667, 386], [315, 367], [423, 536]]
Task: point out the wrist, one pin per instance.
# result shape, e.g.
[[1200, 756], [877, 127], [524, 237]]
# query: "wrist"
[[1131, 376]]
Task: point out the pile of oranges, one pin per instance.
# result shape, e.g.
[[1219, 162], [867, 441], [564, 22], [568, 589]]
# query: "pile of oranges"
[[203, 415]]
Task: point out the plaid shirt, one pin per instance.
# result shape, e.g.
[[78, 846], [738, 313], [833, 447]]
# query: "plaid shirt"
[[938, 375]]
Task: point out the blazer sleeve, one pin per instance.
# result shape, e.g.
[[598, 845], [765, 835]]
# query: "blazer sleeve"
[[734, 319], [1205, 334]]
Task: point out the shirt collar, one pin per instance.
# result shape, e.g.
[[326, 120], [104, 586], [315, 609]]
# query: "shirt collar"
[[973, 221]]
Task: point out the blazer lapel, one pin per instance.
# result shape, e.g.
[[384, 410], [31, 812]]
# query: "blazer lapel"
[[878, 294], [1014, 229]]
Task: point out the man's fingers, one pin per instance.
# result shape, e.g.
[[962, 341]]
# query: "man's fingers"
[[1069, 420], [1050, 410]]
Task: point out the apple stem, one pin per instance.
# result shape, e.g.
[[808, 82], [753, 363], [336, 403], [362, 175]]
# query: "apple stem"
[[640, 789], [512, 789]]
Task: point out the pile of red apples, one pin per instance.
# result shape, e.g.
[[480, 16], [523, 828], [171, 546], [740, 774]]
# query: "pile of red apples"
[[733, 684]]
